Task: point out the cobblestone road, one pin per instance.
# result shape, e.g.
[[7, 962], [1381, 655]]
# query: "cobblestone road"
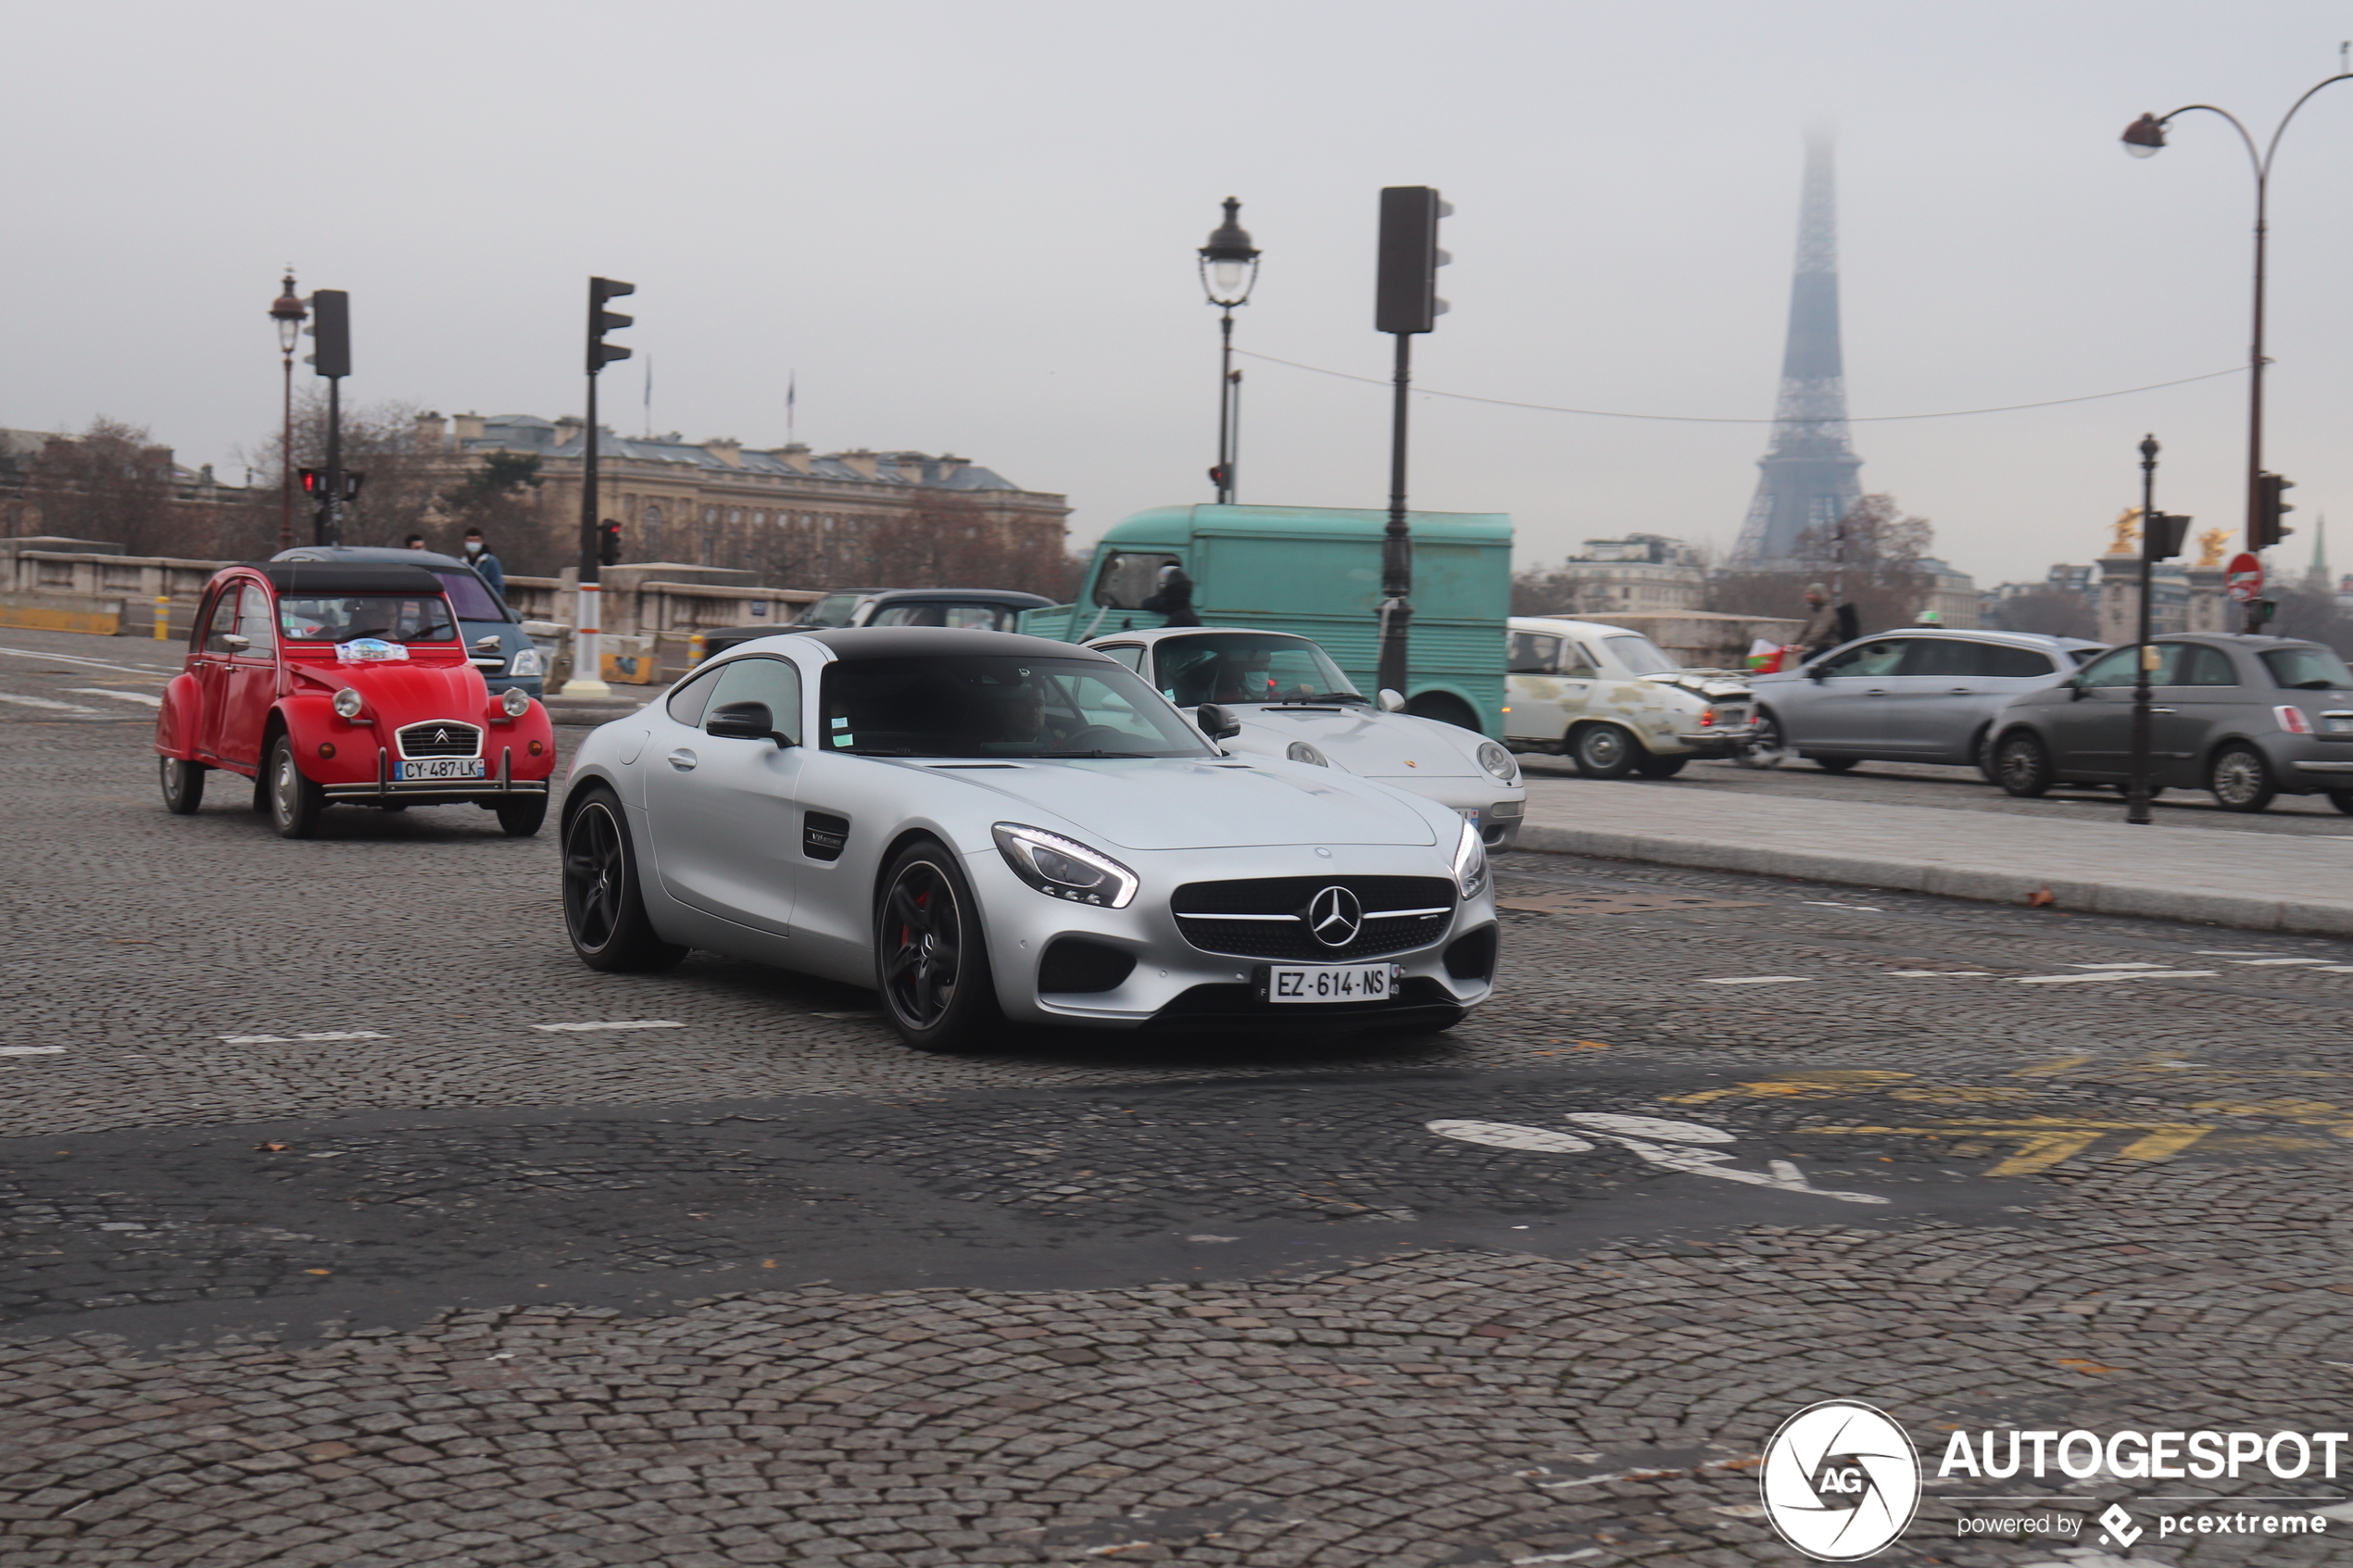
[[325, 1246]]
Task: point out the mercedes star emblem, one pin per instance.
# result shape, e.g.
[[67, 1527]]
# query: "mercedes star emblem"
[[1335, 917]]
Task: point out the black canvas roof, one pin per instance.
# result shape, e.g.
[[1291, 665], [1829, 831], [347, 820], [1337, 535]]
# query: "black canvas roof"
[[907, 642], [347, 577]]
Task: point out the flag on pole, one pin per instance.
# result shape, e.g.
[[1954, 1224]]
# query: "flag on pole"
[[649, 394], [791, 394]]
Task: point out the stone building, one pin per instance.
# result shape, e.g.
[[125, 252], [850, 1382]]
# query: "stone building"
[[1952, 595], [793, 515], [1640, 574]]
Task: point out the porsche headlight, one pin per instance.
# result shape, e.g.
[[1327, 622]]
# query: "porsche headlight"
[[348, 702], [527, 662], [1470, 863], [516, 701], [1063, 868], [1302, 751], [1498, 761]]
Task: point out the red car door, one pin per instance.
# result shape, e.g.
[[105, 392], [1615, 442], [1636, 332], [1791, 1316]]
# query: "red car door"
[[210, 667], [253, 678]]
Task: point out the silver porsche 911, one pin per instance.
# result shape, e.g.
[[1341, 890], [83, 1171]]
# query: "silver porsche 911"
[[988, 828]]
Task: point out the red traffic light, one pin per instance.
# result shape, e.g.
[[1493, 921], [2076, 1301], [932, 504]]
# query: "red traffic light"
[[313, 482]]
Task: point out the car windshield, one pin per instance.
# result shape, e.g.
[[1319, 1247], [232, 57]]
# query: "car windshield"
[[1232, 667], [1640, 655], [470, 595], [834, 609], [2308, 669], [1013, 705], [343, 618]]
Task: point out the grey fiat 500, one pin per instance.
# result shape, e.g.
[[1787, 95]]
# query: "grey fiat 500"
[[2245, 717]]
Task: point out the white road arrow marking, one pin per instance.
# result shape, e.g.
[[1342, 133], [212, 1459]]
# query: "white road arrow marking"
[[43, 702], [2116, 974], [1778, 1175], [54, 1050], [586, 1028], [1759, 980], [118, 697]]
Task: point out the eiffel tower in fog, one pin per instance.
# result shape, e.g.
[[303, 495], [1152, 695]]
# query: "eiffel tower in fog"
[[1810, 471]]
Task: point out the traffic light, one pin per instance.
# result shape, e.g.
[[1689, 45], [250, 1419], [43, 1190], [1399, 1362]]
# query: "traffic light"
[[2162, 537], [1218, 475], [2266, 529], [602, 320], [1405, 298], [609, 543], [331, 325], [351, 483], [314, 482]]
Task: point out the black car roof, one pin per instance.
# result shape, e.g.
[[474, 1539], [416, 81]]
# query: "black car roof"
[[966, 595], [906, 642], [346, 577]]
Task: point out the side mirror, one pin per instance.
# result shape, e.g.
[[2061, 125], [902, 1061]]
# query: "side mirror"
[[1391, 701], [1817, 673], [489, 644], [1216, 722], [744, 721], [2075, 691]]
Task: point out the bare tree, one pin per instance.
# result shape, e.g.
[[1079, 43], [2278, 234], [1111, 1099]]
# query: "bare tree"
[[379, 441], [109, 483], [1875, 567]]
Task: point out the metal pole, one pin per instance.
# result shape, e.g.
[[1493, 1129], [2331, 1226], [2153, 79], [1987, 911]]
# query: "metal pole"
[[1397, 541], [2255, 375], [1233, 443], [2136, 797], [286, 465], [1225, 409], [330, 525], [588, 667]]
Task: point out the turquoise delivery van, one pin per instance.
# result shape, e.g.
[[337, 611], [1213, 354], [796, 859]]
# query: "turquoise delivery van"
[[1315, 571]]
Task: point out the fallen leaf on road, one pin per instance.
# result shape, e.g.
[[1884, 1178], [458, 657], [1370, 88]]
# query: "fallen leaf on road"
[[2040, 898], [270, 1149]]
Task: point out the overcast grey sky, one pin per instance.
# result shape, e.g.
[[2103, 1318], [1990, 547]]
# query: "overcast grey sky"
[[971, 227]]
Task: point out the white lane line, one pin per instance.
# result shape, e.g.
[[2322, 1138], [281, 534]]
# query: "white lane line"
[[1924, 973], [31, 1050], [43, 702], [1830, 904], [632, 1023], [1759, 980], [93, 663], [2129, 965], [290, 1039], [2335, 969], [2116, 974], [2258, 963], [118, 697], [2232, 952]]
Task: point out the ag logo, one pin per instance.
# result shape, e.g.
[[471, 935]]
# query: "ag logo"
[[1840, 1481]]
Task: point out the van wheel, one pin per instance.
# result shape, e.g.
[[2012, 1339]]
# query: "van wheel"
[[1446, 709], [2240, 780], [183, 786], [1604, 751]]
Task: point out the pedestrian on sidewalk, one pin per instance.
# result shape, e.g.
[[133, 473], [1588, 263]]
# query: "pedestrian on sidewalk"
[[478, 556]]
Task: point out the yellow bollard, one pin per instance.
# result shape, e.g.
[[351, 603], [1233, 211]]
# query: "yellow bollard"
[[694, 650], [163, 618]]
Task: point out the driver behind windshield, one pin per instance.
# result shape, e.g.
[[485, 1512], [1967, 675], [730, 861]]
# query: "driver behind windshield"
[[1244, 668]]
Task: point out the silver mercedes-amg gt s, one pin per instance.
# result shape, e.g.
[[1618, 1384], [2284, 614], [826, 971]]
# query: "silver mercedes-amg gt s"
[[987, 827]]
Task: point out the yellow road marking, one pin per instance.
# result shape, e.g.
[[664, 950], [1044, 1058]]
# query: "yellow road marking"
[[2044, 1141]]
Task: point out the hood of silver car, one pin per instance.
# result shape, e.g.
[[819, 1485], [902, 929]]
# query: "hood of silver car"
[[1177, 803], [1366, 741]]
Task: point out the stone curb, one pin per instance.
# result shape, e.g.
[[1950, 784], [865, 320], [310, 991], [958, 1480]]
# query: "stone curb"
[[2324, 916]]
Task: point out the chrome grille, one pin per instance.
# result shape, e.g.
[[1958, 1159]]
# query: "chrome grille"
[[440, 737], [1266, 916]]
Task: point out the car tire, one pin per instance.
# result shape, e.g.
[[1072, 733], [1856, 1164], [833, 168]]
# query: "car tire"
[[2021, 766], [931, 960], [183, 786], [2240, 779], [521, 818], [1836, 764], [1604, 751], [296, 803], [1655, 767], [604, 907]]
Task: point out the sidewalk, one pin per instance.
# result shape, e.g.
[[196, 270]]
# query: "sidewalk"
[[2258, 882]]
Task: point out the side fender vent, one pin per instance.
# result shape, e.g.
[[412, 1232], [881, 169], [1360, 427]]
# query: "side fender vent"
[[824, 836]]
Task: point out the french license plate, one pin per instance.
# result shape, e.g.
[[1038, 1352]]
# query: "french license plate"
[[2337, 725], [1331, 982], [1468, 814], [1731, 716], [443, 768]]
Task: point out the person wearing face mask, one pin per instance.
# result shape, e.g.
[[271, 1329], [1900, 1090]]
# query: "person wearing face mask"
[[478, 556]]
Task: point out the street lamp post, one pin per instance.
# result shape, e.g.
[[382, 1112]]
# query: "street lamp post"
[[1229, 271], [2143, 138], [288, 312], [2136, 787]]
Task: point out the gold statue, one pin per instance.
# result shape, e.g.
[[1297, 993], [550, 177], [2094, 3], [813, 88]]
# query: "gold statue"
[[2210, 545], [2126, 540]]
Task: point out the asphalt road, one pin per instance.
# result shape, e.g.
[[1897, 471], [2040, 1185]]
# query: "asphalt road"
[[349, 1218]]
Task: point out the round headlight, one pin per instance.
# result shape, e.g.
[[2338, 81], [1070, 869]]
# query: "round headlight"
[[1498, 761], [516, 701], [348, 702], [1301, 751]]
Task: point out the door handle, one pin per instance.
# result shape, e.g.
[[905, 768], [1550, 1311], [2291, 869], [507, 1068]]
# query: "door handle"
[[683, 759], [1876, 691], [2164, 710], [1961, 691]]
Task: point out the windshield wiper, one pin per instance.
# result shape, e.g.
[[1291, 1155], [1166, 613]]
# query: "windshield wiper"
[[1098, 752]]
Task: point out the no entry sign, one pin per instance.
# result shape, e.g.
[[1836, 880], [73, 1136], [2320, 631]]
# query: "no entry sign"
[[2242, 579]]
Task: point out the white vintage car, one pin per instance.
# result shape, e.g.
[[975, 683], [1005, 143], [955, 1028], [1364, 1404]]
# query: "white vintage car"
[[1613, 703]]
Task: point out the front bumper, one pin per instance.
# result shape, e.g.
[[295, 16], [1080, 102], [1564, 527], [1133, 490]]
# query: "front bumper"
[[1493, 808], [500, 784], [1727, 741], [1176, 985]]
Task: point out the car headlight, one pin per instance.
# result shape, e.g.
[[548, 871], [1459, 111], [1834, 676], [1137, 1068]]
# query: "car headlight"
[[1470, 863], [516, 701], [1302, 751], [348, 702], [1063, 868], [527, 662], [1498, 761]]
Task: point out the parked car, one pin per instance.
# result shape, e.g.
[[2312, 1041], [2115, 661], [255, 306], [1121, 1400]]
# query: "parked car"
[[344, 681], [985, 827], [1613, 702], [986, 609], [1289, 699], [496, 642], [2245, 718], [1925, 694]]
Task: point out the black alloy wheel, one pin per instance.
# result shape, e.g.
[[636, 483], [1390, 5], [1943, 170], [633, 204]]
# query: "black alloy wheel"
[[182, 786], [1604, 751], [296, 803], [2020, 765], [2241, 778], [931, 962], [604, 912]]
